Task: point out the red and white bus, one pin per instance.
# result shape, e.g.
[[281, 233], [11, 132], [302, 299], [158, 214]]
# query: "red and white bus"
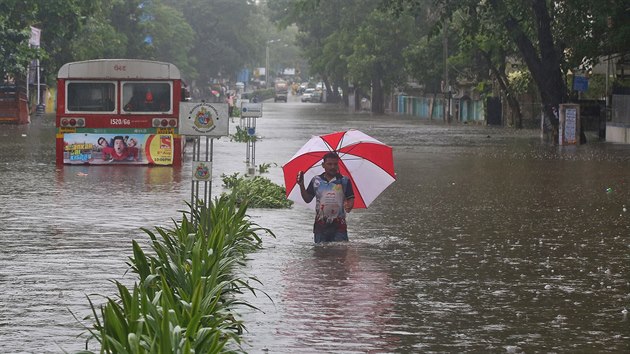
[[119, 111]]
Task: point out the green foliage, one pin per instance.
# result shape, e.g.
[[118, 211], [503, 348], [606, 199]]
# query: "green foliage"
[[264, 167], [424, 62], [205, 39], [236, 112], [58, 20], [257, 192], [242, 136], [377, 51], [520, 81], [226, 36], [172, 37], [188, 286]]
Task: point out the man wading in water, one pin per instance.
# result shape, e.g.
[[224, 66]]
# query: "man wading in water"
[[334, 197]]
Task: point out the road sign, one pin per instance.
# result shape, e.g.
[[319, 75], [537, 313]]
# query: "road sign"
[[203, 119], [580, 83], [251, 110]]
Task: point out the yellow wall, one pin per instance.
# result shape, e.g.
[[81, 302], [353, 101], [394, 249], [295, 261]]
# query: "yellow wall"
[[51, 100]]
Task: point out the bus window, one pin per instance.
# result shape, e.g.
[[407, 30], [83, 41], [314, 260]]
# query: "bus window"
[[146, 96], [91, 97]]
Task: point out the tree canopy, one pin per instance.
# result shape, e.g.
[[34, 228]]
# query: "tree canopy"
[[549, 37], [206, 39], [373, 46]]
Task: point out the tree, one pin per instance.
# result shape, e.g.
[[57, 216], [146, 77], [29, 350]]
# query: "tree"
[[99, 38], [484, 48], [171, 37], [377, 61], [551, 37], [225, 37], [319, 32], [348, 41], [59, 20], [15, 52], [126, 17]]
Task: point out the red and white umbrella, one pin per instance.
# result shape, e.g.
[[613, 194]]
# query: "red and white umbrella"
[[366, 161]]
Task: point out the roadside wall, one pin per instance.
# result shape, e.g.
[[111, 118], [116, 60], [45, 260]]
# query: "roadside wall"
[[432, 108]]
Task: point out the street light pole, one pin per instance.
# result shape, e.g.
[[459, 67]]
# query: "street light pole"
[[267, 65], [267, 60]]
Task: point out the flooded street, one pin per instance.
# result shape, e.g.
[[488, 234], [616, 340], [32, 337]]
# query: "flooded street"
[[489, 241]]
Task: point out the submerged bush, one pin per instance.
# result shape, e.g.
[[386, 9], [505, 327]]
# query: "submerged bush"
[[186, 295], [242, 135], [264, 167], [257, 192]]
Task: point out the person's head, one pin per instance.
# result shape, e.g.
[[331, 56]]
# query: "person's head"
[[102, 142], [330, 163], [119, 144]]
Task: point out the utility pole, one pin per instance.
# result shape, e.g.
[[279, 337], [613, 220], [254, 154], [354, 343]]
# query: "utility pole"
[[267, 65], [446, 87], [267, 60]]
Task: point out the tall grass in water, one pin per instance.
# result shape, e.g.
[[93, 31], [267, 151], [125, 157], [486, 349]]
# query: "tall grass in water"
[[188, 287]]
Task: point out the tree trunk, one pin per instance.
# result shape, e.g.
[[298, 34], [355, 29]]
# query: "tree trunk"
[[545, 69], [345, 95], [358, 95], [503, 81], [378, 97]]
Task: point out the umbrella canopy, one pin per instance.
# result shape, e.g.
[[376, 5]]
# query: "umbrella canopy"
[[366, 161]]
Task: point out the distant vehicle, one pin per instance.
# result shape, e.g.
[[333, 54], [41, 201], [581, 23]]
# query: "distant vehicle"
[[316, 96], [303, 86], [306, 96], [281, 89]]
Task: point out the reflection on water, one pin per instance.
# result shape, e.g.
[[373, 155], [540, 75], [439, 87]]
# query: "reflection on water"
[[336, 294], [489, 241]]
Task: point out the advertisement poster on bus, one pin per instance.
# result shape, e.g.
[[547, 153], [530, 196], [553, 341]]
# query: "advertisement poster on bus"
[[136, 149]]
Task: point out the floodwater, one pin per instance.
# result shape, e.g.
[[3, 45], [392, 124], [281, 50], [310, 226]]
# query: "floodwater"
[[489, 241]]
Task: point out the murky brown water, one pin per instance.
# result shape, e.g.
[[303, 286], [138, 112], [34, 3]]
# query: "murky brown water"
[[489, 241]]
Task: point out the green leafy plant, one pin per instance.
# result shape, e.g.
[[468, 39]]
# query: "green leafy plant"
[[257, 192], [264, 167], [242, 136], [188, 287]]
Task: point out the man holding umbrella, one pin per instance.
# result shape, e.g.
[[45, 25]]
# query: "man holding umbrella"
[[356, 169], [334, 197]]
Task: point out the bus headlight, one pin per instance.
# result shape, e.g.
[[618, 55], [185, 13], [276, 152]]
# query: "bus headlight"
[[172, 122]]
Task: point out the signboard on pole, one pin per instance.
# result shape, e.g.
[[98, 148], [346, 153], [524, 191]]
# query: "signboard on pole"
[[580, 83], [35, 38], [203, 119], [202, 171], [251, 110], [569, 130]]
